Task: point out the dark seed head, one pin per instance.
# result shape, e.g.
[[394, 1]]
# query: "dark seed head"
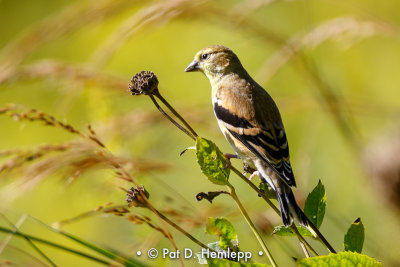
[[144, 83], [135, 198]]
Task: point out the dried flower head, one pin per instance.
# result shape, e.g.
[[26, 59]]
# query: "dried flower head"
[[135, 198], [144, 83]]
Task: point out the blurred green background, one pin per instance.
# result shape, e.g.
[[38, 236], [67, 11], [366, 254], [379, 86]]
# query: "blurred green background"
[[332, 67]]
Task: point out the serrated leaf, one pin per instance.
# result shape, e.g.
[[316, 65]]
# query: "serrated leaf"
[[282, 230], [224, 229], [225, 263], [211, 161], [354, 238], [341, 259], [316, 204]]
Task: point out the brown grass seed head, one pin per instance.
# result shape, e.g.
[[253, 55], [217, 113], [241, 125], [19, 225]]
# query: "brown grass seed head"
[[135, 198]]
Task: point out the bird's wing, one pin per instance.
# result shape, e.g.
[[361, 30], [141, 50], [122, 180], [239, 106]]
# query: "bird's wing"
[[273, 151], [260, 130]]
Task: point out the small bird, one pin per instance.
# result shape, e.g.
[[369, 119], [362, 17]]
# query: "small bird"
[[250, 121]]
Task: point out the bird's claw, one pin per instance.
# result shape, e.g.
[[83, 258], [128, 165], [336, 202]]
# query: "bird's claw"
[[228, 158]]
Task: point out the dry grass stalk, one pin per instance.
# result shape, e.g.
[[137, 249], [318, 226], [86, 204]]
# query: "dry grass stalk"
[[60, 71], [21, 113], [101, 151], [338, 29], [69, 19], [70, 161], [120, 211], [137, 219], [160, 12], [245, 8], [98, 210]]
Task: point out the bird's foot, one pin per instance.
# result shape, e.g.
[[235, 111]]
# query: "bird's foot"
[[256, 173], [228, 158]]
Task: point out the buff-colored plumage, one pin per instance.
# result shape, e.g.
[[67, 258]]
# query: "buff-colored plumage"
[[250, 121]]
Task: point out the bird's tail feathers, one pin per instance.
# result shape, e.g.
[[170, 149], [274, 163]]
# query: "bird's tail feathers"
[[290, 209]]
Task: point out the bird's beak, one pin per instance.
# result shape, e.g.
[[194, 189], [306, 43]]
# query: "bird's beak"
[[193, 66]]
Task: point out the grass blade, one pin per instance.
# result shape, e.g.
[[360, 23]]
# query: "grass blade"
[[55, 245], [107, 253]]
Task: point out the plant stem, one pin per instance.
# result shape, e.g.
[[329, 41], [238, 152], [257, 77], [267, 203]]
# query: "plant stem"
[[251, 225], [304, 249], [260, 193], [128, 177], [177, 227], [171, 119], [176, 113], [41, 253], [255, 188], [302, 240], [320, 236]]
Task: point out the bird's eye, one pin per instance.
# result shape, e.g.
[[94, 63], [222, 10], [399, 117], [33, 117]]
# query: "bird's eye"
[[204, 56]]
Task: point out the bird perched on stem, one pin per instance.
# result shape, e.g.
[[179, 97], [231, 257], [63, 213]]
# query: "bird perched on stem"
[[250, 121]]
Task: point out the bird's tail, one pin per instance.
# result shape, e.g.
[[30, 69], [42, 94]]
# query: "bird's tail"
[[289, 208]]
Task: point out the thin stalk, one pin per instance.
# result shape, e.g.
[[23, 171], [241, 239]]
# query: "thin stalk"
[[255, 188], [260, 193], [149, 206], [304, 248], [177, 227], [41, 253], [49, 243], [125, 175], [251, 225], [113, 255], [38, 261], [171, 119], [176, 113], [320, 236], [302, 240]]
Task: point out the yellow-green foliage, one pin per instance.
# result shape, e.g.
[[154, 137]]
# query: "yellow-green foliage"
[[332, 67]]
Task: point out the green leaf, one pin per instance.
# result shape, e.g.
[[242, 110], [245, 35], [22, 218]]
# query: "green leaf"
[[354, 239], [342, 259], [224, 263], [315, 205], [282, 230], [212, 161], [224, 229], [268, 191]]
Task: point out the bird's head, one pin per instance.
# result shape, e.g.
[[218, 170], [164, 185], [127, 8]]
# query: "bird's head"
[[215, 61]]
